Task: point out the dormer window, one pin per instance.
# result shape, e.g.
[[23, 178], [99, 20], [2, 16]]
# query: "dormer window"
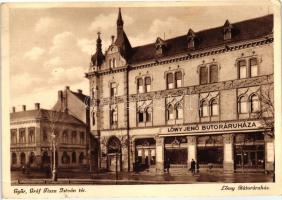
[[160, 46], [191, 39], [227, 30]]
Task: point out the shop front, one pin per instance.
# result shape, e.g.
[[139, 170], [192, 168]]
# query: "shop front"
[[210, 152], [176, 152], [249, 152], [145, 154]]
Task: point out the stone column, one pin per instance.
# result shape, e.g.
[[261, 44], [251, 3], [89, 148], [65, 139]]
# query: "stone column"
[[269, 152], [132, 157], [124, 159], [228, 153], [159, 154], [192, 149]]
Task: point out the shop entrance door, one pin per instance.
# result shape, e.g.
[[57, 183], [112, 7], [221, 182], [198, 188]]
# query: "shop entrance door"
[[249, 159]]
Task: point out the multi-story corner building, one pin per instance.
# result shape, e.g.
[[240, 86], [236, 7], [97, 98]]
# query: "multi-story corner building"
[[32, 130], [205, 95]]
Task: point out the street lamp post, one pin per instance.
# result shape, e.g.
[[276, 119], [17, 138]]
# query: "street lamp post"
[[54, 171]]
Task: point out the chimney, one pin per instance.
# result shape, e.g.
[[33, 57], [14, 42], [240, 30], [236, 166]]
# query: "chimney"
[[67, 87], [60, 95], [113, 39], [37, 106], [79, 91], [24, 107], [13, 109]]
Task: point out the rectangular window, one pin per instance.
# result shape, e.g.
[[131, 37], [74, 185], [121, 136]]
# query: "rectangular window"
[[148, 116], [253, 67], [14, 136], [140, 85], [242, 69], [22, 136], [31, 136], [81, 137], [178, 78], [203, 75], [113, 89], [141, 117], [213, 74], [148, 84], [170, 81]]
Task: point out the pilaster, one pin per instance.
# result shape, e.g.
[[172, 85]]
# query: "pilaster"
[[228, 148], [269, 152], [159, 154], [192, 149]]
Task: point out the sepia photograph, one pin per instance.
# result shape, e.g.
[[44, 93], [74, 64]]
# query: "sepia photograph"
[[141, 94]]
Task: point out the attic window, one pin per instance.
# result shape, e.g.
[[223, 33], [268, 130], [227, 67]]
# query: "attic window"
[[160, 46], [190, 39], [227, 30]]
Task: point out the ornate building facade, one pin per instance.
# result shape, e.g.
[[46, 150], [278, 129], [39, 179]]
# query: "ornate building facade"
[[205, 95]]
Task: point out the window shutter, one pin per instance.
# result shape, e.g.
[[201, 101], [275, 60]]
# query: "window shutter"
[[140, 82], [178, 75], [169, 78]]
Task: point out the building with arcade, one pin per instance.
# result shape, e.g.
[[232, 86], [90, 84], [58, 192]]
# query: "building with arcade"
[[205, 95]]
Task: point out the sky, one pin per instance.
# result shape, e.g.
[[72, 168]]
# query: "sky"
[[50, 48]]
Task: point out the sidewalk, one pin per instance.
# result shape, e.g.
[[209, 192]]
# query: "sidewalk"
[[150, 178]]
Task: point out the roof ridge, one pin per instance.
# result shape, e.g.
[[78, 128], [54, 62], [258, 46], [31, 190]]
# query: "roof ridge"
[[203, 30]]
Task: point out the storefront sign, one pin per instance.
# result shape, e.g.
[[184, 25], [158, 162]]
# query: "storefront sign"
[[214, 127]]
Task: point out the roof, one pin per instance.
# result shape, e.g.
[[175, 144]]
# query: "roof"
[[241, 31], [44, 114], [82, 97]]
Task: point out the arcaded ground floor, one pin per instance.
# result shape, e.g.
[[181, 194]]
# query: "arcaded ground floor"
[[225, 152]]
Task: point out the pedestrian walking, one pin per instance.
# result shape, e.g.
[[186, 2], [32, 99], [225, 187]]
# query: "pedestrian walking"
[[193, 166]]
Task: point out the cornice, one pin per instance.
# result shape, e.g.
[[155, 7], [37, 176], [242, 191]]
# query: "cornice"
[[196, 89]]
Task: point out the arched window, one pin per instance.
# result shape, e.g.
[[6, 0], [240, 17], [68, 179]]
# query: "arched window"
[[179, 111], [170, 112], [110, 63], [253, 67], [213, 74], [81, 157], [73, 137], [23, 158], [242, 104], [254, 103], [178, 79], [148, 112], [204, 109], [140, 88], [65, 137], [203, 75], [242, 65], [169, 80], [14, 158], [214, 107], [140, 116], [65, 158], [31, 158], [73, 157], [148, 84]]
